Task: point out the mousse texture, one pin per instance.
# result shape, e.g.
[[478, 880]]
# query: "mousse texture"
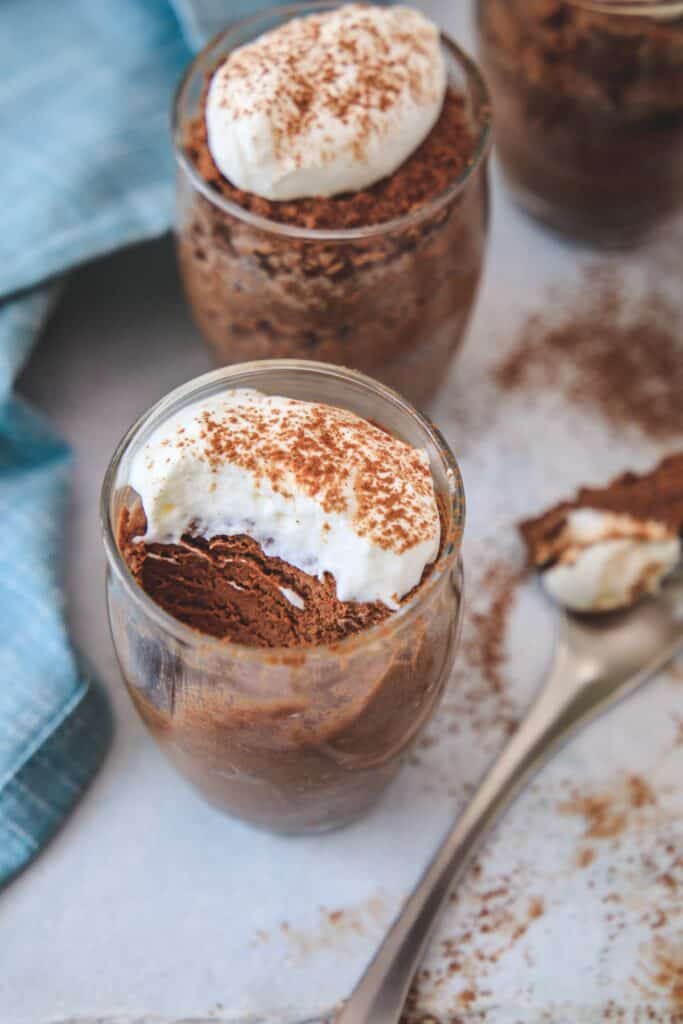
[[228, 588], [656, 496], [589, 111], [613, 545]]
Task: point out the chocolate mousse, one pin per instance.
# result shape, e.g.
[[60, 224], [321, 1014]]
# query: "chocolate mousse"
[[610, 545], [588, 98], [227, 587], [369, 131], [290, 536]]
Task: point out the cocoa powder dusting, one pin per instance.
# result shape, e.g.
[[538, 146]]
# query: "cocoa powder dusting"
[[626, 363], [346, 463], [439, 161], [306, 75]]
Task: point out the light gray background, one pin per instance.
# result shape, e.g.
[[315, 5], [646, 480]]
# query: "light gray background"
[[150, 904]]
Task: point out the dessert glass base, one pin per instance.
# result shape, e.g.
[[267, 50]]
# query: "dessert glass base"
[[577, 205], [301, 738], [588, 101], [392, 299]]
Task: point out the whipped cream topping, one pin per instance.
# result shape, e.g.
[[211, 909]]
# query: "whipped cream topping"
[[314, 485], [328, 103], [604, 561]]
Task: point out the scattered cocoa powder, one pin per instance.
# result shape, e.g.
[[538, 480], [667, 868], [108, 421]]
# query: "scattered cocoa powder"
[[607, 815], [536, 909], [484, 642], [477, 698], [658, 975], [602, 820], [468, 997], [585, 857], [625, 363], [640, 792], [678, 723], [494, 915], [662, 972]]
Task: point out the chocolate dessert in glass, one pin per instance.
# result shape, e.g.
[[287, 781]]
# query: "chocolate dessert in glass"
[[284, 585], [332, 191], [588, 100]]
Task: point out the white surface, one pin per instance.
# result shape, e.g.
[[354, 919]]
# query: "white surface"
[[250, 102], [148, 904], [281, 503]]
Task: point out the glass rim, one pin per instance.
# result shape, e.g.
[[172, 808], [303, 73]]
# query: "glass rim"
[[448, 556], [477, 87], [658, 9]]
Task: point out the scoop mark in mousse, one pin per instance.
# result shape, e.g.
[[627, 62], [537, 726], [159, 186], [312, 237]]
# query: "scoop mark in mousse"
[[315, 485]]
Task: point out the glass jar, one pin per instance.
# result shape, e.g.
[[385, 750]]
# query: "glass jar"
[[392, 299], [301, 738], [588, 102]]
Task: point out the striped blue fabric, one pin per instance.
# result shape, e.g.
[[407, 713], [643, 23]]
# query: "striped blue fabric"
[[85, 95], [84, 109], [54, 727]]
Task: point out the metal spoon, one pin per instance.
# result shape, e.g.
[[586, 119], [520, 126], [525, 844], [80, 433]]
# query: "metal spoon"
[[598, 660]]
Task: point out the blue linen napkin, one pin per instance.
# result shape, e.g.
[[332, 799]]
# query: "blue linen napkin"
[[54, 727], [86, 167]]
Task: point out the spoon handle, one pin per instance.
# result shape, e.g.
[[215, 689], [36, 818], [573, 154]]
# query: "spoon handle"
[[380, 995]]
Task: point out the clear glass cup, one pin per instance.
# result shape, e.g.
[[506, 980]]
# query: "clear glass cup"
[[303, 738], [392, 300], [588, 102]]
